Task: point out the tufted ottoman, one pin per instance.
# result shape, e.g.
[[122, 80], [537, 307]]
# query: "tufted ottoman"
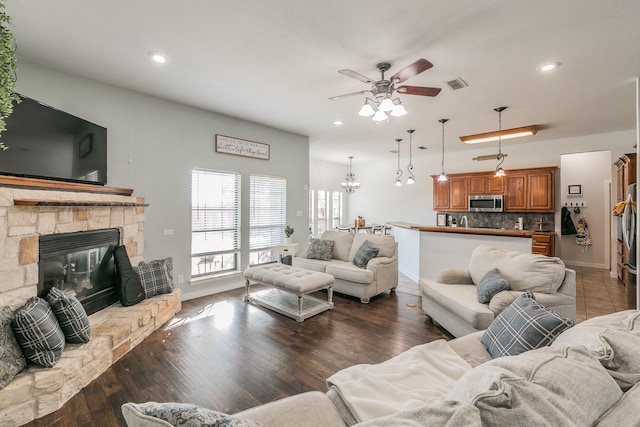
[[289, 289]]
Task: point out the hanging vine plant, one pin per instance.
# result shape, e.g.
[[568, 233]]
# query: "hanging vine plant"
[[8, 69]]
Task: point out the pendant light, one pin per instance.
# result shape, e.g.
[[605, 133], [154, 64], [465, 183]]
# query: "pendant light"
[[411, 179], [443, 176], [499, 170], [398, 181]]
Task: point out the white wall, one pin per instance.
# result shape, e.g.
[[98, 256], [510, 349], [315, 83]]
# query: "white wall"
[[593, 172], [153, 146]]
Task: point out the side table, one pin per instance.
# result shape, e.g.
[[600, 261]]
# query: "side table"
[[286, 252]]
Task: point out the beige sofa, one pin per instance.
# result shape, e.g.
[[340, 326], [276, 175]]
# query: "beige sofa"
[[587, 377], [380, 275], [451, 300]]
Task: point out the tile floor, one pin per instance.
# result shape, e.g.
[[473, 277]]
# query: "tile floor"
[[596, 292]]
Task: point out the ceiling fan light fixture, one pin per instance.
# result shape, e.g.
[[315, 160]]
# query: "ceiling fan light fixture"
[[366, 110], [379, 116], [386, 105], [398, 109], [504, 134]]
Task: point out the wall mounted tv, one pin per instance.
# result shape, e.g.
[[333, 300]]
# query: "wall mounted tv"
[[47, 143]]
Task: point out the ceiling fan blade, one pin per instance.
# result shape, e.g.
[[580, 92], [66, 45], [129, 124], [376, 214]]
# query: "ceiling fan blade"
[[419, 90], [357, 76], [412, 70], [335, 98]]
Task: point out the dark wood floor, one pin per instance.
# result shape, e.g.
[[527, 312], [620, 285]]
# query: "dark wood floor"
[[225, 355]]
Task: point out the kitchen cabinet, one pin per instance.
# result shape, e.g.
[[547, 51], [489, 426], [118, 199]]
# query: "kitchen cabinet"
[[524, 190], [486, 184], [543, 244]]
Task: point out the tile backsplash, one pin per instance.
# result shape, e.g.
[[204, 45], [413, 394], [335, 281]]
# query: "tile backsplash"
[[506, 221]]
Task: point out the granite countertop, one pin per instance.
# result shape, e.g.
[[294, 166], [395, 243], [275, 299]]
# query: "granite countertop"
[[471, 230]]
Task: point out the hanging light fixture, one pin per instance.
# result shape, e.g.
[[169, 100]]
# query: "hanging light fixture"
[[398, 181], [350, 185], [499, 170], [411, 179], [443, 176]]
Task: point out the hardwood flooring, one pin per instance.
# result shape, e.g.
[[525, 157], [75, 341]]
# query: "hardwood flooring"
[[226, 355]]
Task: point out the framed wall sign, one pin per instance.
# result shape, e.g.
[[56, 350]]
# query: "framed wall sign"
[[242, 147], [574, 190]]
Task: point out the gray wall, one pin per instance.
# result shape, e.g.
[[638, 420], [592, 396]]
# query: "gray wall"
[[153, 146]]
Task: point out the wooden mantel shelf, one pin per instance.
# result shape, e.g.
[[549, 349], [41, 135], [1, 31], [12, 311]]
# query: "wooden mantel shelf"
[[49, 184], [69, 203]]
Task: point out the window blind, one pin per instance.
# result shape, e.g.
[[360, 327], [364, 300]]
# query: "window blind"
[[268, 206]]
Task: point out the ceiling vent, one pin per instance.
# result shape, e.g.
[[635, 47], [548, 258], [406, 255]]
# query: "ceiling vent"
[[457, 84]]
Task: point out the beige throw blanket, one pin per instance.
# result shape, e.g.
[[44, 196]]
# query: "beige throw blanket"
[[412, 379]]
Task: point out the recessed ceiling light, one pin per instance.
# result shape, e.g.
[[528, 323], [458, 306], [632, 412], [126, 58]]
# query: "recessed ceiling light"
[[338, 122], [549, 67], [158, 57]]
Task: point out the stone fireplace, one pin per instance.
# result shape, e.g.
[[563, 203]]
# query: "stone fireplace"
[[34, 213]]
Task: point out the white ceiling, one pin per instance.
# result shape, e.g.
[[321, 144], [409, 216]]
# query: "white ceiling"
[[275, 62]]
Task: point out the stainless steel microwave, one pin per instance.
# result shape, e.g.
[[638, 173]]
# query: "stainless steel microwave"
[[486, 203]]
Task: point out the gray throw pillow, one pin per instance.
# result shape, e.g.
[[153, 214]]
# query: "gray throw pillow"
[[38, 332], [320, 249], [12, 361], [365, 252], [155, 277], [524, 325], [491, 284], [152, 414], [71, 316]]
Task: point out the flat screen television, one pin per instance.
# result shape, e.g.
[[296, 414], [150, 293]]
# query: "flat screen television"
[[47, 143]]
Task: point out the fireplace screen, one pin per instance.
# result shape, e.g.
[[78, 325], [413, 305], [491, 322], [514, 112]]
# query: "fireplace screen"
[[80, 263]]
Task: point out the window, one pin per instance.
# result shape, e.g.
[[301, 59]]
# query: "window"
[[326, 210], [268, 216], [215, 222]]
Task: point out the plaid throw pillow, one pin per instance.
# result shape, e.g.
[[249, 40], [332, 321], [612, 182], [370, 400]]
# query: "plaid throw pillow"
[[365, 252], [491, 284], [155, 277], [71, 316], [178, 414], [38, 332], [320, 249], [524, 325]]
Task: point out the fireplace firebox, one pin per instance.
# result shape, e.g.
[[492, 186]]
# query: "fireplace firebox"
[[80, 263]]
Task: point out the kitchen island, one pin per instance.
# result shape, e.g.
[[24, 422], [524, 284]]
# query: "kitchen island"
[[424, 251]]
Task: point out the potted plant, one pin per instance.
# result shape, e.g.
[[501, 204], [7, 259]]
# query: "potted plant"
[[288, 231], [8, 68]]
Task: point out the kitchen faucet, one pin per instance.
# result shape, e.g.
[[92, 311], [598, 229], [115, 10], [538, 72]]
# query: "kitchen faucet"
[[466, 223]]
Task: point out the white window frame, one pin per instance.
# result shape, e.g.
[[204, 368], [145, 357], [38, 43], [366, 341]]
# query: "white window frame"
[[215, 215], [267, 217], [328, 222]]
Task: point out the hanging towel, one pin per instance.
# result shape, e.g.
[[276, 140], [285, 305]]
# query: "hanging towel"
[[566, 224]]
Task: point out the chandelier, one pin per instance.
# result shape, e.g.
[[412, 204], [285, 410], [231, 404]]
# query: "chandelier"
[[350, 185]]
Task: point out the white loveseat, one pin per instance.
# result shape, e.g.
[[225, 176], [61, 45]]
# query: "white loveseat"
[[451, 300], [380, 275]]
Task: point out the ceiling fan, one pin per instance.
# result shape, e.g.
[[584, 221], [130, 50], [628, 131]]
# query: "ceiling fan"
[[383, 89]]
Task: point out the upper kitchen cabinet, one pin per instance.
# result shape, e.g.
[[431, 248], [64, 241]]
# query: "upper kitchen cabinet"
[[626, 174], [524, 190], [486, 184]]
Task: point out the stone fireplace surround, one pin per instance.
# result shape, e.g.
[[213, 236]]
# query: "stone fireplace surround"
[[26, 212]]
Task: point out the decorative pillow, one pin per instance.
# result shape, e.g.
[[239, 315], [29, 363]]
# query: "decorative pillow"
[[544, 387], [491, 284], [320, 249], [155, 277], [38, 332], [12, 360], [152, 414], [365, 252], [71, 316], [524, 325]]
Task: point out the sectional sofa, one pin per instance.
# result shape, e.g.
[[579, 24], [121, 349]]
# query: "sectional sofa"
[[589, 375]]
